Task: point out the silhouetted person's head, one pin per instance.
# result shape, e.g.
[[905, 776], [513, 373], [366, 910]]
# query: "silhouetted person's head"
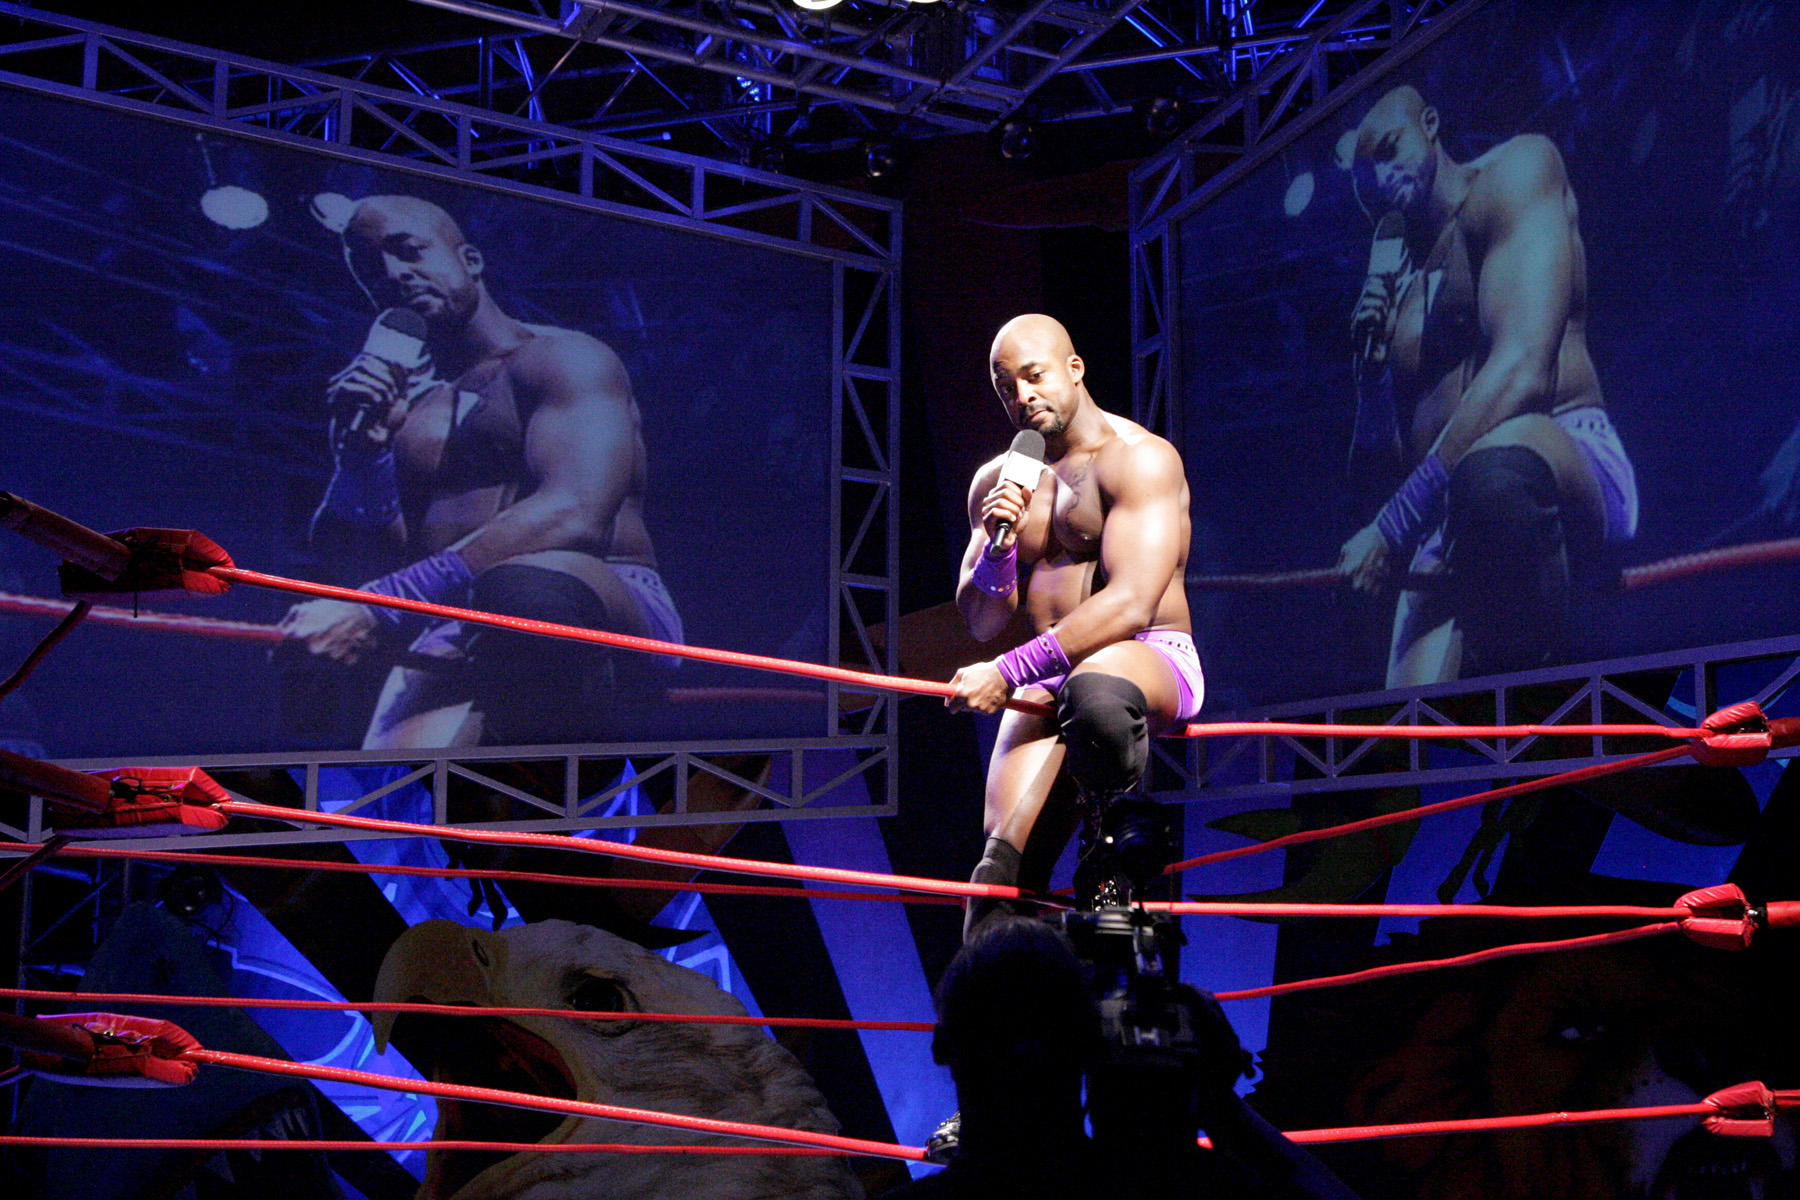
[[1016, 1025]]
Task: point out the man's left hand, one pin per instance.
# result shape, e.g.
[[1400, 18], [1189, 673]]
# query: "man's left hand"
[[979, 686], [334, 629], [1364, 559]]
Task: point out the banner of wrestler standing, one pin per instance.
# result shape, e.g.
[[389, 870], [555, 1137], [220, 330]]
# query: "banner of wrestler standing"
[[371, 378], [1518, 316]]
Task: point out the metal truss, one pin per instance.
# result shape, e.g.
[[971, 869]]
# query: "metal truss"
[[549, 789], [857, 233], [1303, 78], [1674, 689], [961, 67]]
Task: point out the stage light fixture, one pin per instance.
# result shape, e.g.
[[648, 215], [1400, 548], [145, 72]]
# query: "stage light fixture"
[[190, 891], [881, 158], [769, 154], [816, 5], [1018, 138], [1161, 115]]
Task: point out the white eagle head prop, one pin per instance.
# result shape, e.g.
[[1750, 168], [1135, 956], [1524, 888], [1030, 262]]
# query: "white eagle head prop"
[[728, 1072]]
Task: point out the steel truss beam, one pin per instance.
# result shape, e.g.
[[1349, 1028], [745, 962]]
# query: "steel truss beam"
[[1673, 689], [857, 233], [958, 68]]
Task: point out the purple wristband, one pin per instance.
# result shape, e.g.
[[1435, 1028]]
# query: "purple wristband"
[[443, 577], [997, 576], [1416, 505], [1040, 658]]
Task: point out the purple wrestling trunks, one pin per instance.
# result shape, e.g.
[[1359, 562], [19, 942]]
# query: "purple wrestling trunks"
[[1178, 650]]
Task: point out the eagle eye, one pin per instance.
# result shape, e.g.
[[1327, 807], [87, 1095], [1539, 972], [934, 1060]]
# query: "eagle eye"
[[595, 994]]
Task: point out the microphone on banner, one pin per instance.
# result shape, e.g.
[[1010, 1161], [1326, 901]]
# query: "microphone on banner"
[[1388, 261], [396, 341], [1024, 464]]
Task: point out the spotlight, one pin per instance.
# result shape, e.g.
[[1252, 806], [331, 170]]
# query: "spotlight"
[[1018, 138], [234, 207], [881, 158], [769, 154], [190, 891], [1161, 115], [816, 5]]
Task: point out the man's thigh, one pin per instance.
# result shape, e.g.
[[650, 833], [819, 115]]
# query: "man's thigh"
[[1150, 671]]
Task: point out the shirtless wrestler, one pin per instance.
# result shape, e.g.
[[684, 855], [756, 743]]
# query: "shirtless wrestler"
[[508, 473], [1105, 533], [1518, 467]]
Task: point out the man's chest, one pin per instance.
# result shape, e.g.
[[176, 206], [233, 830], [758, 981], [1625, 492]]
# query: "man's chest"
[[1068, 511], [454, 426]]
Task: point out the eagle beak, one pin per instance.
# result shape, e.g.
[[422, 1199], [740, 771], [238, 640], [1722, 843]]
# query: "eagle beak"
[[440, 962]]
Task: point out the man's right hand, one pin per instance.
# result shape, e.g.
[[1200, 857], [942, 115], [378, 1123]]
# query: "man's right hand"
[[1007, 502], [1372, 320], [334, 629], [369, 394]]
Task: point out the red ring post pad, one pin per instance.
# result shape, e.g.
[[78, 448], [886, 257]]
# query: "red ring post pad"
[[579, 1108], [1718, 916], [164, 563], [127, 1052], [1736, 736], [682, 858], [179, 799]]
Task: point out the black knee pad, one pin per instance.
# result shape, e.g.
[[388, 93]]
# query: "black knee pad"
[[540, 594], [1105, 730], [1508, 558], [536, 689]]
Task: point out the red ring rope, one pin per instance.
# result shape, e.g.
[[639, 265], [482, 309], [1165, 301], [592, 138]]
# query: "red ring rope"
[[456, 1010], [579, 1108], [601, 637], [99, 1143], [711, 862], [1413, 814], [1515, 950], [360, 868]]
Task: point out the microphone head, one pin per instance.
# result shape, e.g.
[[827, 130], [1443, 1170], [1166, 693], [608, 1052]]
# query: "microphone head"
[[1030, 443], [1391, 225], [403, 321], [398, 336], [1387, 251]]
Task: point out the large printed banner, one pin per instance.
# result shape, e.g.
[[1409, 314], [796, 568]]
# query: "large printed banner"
[[354, 376], [1520, 315]]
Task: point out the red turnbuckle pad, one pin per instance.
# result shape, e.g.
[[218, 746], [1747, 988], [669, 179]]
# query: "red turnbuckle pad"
[[1718, 916], [1748, 1109], [179, 797], [1737, 736], [165, 563], [128, 1052]]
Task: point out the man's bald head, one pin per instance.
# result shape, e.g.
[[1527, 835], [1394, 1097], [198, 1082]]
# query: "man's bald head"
[[1036, 370], [374, 217], [1395, 152], [1036, 332], [408, 252]]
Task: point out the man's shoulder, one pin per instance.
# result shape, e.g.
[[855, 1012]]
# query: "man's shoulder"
[[1135, 451], [554, 356], [1519, 169]]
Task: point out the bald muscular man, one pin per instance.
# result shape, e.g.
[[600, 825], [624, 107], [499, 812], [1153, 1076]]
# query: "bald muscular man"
[[1517, 464], [1105, 535], [505, 471]]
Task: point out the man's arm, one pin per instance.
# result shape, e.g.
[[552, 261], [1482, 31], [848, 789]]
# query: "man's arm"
[[580, 448], [1525, 292], [982, 594], [1524, 296], [1140, 548]]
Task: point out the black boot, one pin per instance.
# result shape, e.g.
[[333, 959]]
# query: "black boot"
[[999, 865]]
